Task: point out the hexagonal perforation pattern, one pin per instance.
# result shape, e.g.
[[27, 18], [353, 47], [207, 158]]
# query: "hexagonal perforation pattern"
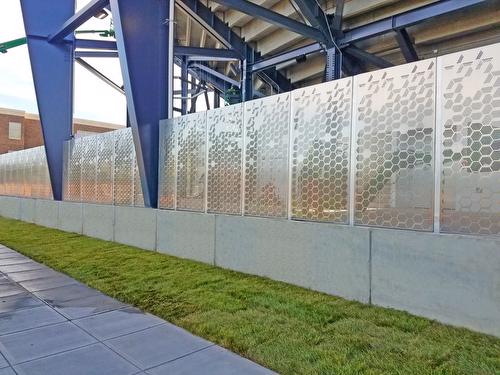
[[225, 141], [89, 168], [395, 115], [470, 120], [105, 156], [74, 170], [25, 173], [191, 143], [321, 125], [124, 168], [266, 155], [168, 166]]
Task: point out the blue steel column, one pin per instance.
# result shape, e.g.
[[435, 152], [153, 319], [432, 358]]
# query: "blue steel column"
[[52, 68], [184, 85], [144, 47]]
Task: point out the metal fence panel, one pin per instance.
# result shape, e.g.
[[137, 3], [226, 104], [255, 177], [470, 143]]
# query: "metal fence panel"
[[469, 119], [124, 168], [394, 130], [168, 165], [191, 153], [225, 144], [89, 169], [321, 126], [267, 123], [105, 167], [74, 170]]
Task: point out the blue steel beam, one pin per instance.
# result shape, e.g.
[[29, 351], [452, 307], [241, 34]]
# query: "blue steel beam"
[[52, 69], [206, 52], [313, 12], [373, 29], [215, 73], [144, 41], [223, 33], [367, 57], [95, 44], [76, 20], [99, 75], [406, 45], [87, 53], [277, 19]]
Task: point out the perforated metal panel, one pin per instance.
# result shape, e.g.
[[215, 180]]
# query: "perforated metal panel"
[[138, 197], [25, 173], [469, 107], [267, 123], [105, 168], [225, 141], [394, 124], [321, 126], [74, 170], [168, 165], [191, 151], [89, 168], [124, 168]]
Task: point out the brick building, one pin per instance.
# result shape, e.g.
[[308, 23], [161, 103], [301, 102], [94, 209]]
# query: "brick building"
[[20, 130]]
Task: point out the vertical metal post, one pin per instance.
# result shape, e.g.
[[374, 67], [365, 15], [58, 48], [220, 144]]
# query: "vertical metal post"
[[216, 99], [145, 45], [353, 153], [184, 85], [333, 64], [52, 68], [438, 129]]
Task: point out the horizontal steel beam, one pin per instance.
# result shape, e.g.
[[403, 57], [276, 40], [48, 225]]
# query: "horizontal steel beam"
[[95, 44], [367, 57], [277, 19], [284, 57], [206, 52], [215, 74], [373, 29], [99, 54], [78, 19], [404, 20]]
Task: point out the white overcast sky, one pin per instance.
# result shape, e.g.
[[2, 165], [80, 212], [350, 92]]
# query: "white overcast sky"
[[94, 100]]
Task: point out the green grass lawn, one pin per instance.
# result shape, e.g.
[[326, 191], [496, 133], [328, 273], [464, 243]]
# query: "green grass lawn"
[[286, 328]]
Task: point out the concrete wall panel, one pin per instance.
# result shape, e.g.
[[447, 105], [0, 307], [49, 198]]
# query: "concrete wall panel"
[[187, 235], [98, 221], [450, 278], [71, 217], [329, 258], [10, 207], [47, 213], [28, 206], [136, 226]]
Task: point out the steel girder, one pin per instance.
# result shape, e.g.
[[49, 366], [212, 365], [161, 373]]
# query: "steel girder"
[[389, 24], [223, 33], [52, 69], [145, 47]]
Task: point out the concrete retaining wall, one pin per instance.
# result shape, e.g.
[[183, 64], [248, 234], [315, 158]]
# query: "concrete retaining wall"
[[451, 278]]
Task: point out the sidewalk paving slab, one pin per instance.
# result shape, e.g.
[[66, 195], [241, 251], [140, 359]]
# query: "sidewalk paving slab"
[[48, 328]]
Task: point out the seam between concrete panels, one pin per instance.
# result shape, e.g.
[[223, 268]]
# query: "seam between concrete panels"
[[215, 241], [370, 234]]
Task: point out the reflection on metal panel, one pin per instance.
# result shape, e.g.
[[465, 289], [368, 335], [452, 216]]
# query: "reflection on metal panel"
[[25, 173], [105, 168], [394, 129], [469, 106], [138, 197], [225, 159], [168, 165], [74, 170], [266, 155], [191, 143], [321, 126], [89, 168], [124, 168]]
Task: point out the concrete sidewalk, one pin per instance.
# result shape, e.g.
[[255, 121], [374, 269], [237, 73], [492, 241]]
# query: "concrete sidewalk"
[[50, 324]]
